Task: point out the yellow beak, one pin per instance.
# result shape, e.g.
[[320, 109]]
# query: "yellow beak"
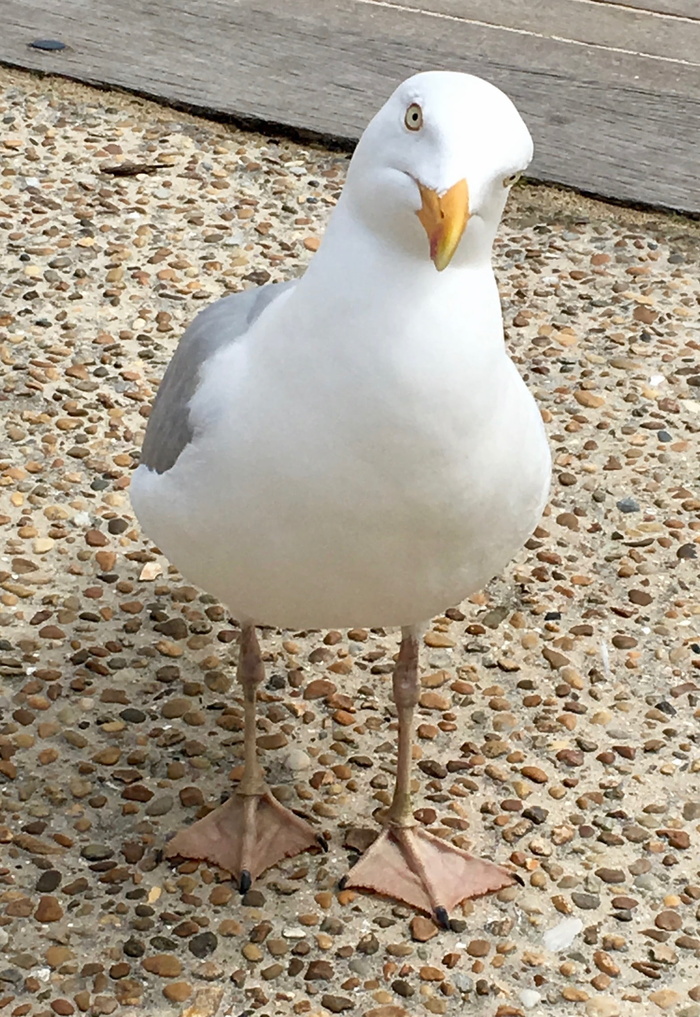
[[444, 218]]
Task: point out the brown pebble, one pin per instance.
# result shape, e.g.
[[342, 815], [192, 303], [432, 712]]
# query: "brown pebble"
[[252, 952], [670, 921], [57, 955], [166, 965], [431, 974], [77, 886], [319, 688], [677, 838], [534, 774], [569, 520], [48, 910], [272, 971], [399, 949], [106, 560], [220, 895], [319, 970], [336, 1004], [434, 701], [604, 962], [570, 757], [95, 538], [589, 399], [107, 756], [622, 642], [438, 640], [624, 903], [434, 680], [260, 932], [573, 994], [207, 1002], [359, 838], [666, 999], [626, 751], [276, 740], [344, 718], [174, 708], [63, 1007], [688, 943], [610, 875], [133, 851], [177, 992], [554, 658], [51, 632], [422, 929], [478, 948], [167, 648]]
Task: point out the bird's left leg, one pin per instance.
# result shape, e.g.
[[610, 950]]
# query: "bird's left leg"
[[405, 861]]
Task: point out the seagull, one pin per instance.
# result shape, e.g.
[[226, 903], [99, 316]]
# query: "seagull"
[[355, 447]]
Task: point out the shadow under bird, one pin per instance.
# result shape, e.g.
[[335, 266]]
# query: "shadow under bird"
[[356, 447]]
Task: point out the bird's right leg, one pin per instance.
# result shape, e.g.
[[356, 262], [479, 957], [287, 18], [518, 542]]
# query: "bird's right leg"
[[251, 831]]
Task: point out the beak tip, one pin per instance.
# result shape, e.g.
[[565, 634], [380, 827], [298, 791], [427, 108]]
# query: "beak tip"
[[444, 218]]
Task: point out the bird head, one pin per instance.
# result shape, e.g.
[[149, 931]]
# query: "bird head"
[[433, 169]]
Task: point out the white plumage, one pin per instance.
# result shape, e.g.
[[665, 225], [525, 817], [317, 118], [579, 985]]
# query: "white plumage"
[[357, 448]]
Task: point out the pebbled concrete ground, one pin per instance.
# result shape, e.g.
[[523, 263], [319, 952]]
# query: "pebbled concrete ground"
[[557, 730]]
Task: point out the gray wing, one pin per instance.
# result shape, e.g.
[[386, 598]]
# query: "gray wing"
[[169, 429]]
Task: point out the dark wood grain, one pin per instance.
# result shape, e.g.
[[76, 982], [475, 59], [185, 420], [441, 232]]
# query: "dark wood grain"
[[607, 122]]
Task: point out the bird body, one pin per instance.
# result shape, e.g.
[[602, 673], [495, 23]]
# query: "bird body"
[[352, 465]]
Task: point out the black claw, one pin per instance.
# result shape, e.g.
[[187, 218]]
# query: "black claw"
[[442, 918], [245, 882], [518, 879], [342, 882], [322, 842]]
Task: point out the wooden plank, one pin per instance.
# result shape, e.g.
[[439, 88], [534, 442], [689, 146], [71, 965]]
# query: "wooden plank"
[[679, 8], [606, 26], [609, 123]]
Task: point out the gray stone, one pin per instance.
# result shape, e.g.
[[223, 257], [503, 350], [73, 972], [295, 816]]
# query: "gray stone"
[[160, 806], [586, 901], [97, 852], [463, 982]]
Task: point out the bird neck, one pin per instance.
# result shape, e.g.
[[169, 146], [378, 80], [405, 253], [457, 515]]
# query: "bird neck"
[[362, 276]]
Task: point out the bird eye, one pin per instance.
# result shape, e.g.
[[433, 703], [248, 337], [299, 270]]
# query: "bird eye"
[[512, 179], [414, 117]]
